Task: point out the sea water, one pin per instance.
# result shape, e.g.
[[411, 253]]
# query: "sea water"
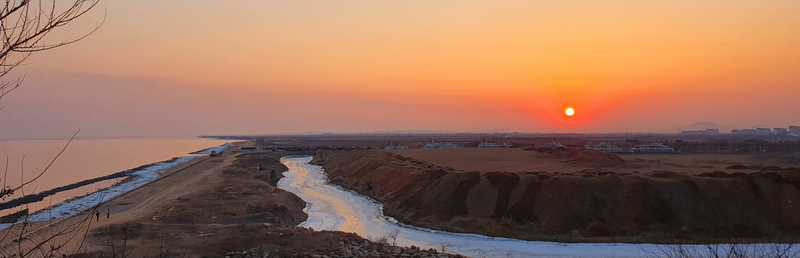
[[85, 159]]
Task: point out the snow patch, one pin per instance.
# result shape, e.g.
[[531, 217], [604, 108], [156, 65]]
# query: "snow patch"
[[75, 206]]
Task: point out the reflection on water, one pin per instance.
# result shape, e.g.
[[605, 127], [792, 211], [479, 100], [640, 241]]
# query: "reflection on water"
[[85, 159]]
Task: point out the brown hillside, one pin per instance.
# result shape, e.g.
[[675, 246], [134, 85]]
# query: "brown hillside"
[[570, 207]]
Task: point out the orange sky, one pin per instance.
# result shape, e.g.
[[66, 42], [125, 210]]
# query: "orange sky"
[[345, 66]]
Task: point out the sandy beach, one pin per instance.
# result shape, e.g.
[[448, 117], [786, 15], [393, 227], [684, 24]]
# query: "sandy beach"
[[178, 180]]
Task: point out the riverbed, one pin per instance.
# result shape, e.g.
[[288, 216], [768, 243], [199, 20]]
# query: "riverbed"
[[330, 207]]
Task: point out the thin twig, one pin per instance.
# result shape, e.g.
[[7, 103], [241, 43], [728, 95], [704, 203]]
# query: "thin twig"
[[51, 162]]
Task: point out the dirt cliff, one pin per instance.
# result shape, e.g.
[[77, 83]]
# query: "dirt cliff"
[[658, 206]]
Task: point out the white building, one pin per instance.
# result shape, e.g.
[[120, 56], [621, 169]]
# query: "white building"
[[763, 131]]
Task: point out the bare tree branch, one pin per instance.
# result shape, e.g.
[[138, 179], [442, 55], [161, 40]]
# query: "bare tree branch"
[[24, 29], [24, 26], [49, 165]]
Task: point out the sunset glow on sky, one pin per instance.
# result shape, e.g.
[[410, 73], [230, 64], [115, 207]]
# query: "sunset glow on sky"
[[183, 68]]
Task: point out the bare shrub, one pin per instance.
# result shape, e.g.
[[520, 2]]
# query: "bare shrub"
[[392, 236], [728, 250], [382, 240], [444, 246]]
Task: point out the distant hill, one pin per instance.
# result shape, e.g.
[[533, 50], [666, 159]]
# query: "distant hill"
[[413, 132]]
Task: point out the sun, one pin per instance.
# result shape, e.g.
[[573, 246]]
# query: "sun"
[[569, 112]]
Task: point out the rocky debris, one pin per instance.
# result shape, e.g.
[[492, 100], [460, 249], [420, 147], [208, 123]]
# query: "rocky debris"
[[739, 166], [346, 249]]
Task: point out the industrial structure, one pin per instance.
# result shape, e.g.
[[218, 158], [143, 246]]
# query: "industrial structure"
[[395, 147], [551, 145], [654, 147], [794, 130], [438, 145], [602, 146], [488, 144], [709, 131], [763, 131]]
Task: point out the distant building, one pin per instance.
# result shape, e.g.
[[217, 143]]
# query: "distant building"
[[794, 130], [780, 131], [737, 132], [654, 147], [712, 131], [552, 145], [763, 131], [488, 144], [602, 146], [693, 132], [395, 147], [248, 146], [749, 132], [438, 145]]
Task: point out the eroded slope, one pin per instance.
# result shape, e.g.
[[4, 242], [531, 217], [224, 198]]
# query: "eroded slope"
[[581, 206]]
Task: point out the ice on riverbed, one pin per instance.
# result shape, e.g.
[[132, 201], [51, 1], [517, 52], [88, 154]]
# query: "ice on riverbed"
[[72, 207], [330, 207]]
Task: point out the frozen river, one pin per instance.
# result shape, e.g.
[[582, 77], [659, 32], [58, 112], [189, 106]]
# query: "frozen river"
[[333, 208], [330, 207]]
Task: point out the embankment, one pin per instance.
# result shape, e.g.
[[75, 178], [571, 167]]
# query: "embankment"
[[31, 198], [659, 206], [245, 192]]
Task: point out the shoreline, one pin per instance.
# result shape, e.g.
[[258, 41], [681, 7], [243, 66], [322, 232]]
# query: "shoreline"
[[218, 149], [34, 198], [144, 175], [249, 213], [131, 179]]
